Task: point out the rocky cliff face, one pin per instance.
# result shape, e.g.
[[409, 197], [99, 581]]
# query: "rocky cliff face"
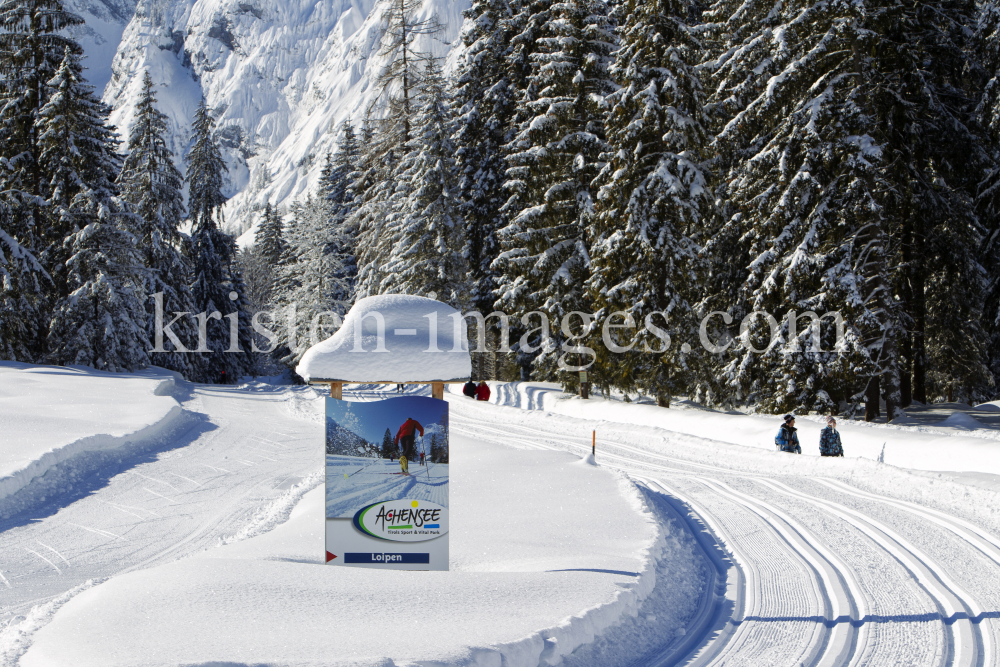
[[281, 75], [100, 37]]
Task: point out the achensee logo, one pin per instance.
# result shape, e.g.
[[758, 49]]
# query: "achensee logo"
[[403, 520]]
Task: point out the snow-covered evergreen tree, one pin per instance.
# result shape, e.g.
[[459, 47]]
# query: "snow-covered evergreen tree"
[[338, 187], [802, 168], [381, 153], [269, 241], [937, 159], [216, 288], [23, 283], [388, 447], [98, 319], [654, 203], [316, 276], [151, 183], [833, 133], [308, 293], [424, 218], [32, 46], [486, 100], [988, 196], [553, 159]]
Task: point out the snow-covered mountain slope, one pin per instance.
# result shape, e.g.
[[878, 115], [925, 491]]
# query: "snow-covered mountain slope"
[[101, 35], [281, 75]]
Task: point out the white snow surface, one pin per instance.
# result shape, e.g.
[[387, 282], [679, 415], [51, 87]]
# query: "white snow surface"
[[393, 338], [83, 410], [100, 35], [205, 548], [951, 444], [545, 554], [375, 480], [281, 76]]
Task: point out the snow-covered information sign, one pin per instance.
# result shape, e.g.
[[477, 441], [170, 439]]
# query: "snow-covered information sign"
[[387, 483]]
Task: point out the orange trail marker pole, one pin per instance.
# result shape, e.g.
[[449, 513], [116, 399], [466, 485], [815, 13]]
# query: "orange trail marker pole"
[[593, 444]]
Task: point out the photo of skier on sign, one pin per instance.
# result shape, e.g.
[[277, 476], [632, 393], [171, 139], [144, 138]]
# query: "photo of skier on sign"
[[406, 436], [371, 446]]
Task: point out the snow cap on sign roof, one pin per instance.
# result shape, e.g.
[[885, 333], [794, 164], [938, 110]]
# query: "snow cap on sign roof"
[[393, 338]]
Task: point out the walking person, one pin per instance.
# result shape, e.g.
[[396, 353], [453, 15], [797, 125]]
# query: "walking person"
[[787, 440], [469, 389], [405, 441], [829, 439], [422, 458], [483, 392]]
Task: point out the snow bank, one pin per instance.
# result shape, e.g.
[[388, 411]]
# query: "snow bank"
[[546, 554], [49, 414], [947, 446], [393, 338], [961, 421]]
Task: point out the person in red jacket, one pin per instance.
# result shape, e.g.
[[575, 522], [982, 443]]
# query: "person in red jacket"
[[405, 434], [482, 392]]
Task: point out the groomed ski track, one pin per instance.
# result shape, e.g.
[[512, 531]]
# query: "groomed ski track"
[[804, 570]]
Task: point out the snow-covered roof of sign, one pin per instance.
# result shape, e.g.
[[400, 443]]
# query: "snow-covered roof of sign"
[[393, 338]]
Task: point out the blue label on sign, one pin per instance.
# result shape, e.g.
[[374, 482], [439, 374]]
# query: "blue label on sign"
[[382, 558]]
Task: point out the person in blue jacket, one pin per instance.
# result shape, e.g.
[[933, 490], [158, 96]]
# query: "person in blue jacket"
[[787, 440], [829, 440]]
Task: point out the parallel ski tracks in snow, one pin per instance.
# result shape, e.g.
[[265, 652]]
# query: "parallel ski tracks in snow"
[[820, 609]]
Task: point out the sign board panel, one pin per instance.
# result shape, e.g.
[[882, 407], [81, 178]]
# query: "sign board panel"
[[387, 483]]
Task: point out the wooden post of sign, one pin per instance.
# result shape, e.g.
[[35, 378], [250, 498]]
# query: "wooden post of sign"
[[584, 385], [437, 390], [337, 390]]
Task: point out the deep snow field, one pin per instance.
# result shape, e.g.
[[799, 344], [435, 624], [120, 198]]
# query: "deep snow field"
[[148, 521]]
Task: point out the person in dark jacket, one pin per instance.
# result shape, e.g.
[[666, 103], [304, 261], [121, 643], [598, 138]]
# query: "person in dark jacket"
[[405, 440], [829, 440], [787, 440], [469, 389], [482, 392]]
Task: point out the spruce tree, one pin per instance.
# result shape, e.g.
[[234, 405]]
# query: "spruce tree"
[[843, 163], [987, 43], [375, 186], [23, 282], [269, 241], [802, 167], [339, 195], [424, 219], [486, 101], [32, 46], [654, 204], [216, 288], [309, 286], [151, 183], [938, 157], [98, 318], [388, 448], [553, 159]]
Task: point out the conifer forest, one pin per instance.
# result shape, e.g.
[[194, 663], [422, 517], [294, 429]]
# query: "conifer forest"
[[761, 205]]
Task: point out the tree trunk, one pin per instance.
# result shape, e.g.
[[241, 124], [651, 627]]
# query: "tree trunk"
[[919, 346], [663, 400], [919, 314], [905, 379], [890, 379], [871, 400]]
